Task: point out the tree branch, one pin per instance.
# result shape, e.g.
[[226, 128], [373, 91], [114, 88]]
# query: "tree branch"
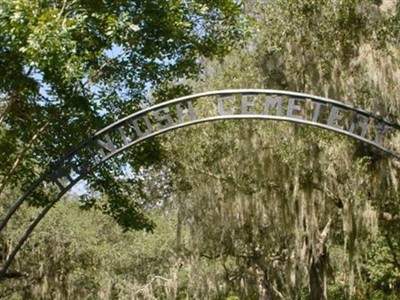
[[21, 156], [13, 99], [62, 9], [324, 235]]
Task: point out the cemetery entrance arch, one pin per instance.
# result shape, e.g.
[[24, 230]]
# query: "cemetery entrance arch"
[[275, 105]]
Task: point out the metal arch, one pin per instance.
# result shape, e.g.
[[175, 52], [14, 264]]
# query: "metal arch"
[[49, 177]]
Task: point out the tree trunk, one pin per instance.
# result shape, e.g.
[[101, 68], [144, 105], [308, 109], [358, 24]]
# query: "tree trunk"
[[317, 268], [263, 287], [317, 278]]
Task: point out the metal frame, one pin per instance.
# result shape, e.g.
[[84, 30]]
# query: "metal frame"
[[48, 177]]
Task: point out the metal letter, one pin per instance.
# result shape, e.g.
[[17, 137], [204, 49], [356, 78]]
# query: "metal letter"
[[108, 145], [293, 108], [138, 131], [78, 170], [317, 110], [188, 111], [57, 176], [221, 109], [381, 129], [246, 104], [334, 116], [275, 102], [122, 133], [164, 119], [357, 124]]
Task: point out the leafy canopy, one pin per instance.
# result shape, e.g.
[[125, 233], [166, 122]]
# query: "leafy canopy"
[[71, 67]]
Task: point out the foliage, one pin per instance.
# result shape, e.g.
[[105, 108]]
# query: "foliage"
[[281, 200], [71, 67], [77, 254], [250, 210]]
